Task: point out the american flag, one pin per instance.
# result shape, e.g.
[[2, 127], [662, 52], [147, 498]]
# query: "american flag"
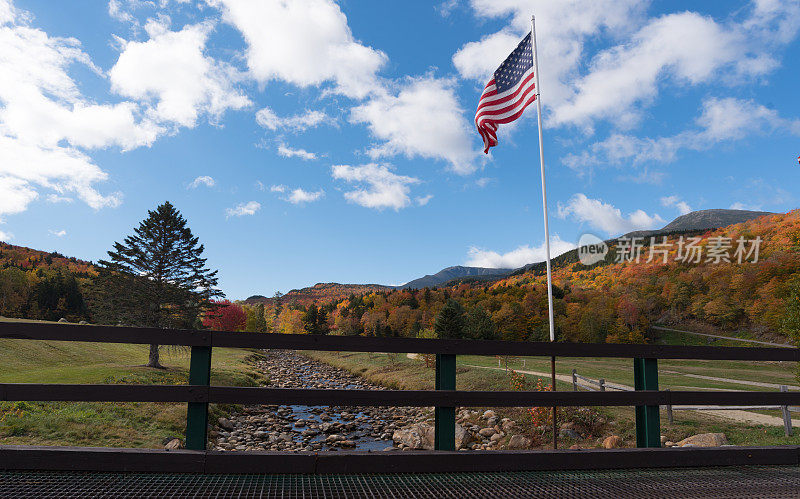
[[507, 94]]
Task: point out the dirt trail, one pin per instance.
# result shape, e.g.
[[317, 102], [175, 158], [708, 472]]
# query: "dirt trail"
[[734, 414]]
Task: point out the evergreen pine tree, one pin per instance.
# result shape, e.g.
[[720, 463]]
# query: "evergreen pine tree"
[[309, 319], [322, 322], [156, 277], [450, 321], [478, 325]]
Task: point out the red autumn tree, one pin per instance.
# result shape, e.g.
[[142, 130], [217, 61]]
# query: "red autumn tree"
[[226, 316]]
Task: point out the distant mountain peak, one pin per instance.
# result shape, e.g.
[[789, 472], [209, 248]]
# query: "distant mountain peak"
[[454, 273], [702, 220]]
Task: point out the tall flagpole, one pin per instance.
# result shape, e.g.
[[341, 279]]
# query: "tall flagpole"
[[546, 223]]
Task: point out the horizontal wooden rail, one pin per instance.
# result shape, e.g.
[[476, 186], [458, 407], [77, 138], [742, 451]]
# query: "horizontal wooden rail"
[[187, 461], [112, 334], [396, 398], [32, 392]]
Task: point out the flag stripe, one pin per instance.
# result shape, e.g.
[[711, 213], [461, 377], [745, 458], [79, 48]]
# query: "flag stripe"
[[500, 109], [492, 97], [507, 94]]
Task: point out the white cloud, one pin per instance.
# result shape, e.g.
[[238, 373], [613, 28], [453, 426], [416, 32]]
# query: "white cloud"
[[202, 180], [9, 13], [6, 236], [687, 46], [384, 189], [516, 258], [646, 54], [300, 196], [742, 206], [55, 198], [423, 200], [605, 217], [241, 209], [42, 105], [423, 120], [288, 152], [726, 119], [172, 70], [303, 42], [117, 11], [15, 193], [478, 60], [562, 29], [46, 124], [60, 169], [299, 122], [730, 118], [682, 206], [58, 233]]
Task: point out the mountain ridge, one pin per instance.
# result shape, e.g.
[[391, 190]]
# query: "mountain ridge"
[[691, 223]]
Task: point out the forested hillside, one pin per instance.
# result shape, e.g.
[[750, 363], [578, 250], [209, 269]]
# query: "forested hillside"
[[322, 292], [608, 302], [40, 285]]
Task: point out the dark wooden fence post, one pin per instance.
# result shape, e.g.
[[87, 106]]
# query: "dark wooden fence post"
[[445, 426], [787, 417], [197, 412], [648, 424]]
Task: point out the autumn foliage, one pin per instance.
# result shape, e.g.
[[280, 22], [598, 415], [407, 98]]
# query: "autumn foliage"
[[225, 316], [608, 302]]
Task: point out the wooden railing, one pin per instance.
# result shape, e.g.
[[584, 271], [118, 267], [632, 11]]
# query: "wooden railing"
[[445, 398]]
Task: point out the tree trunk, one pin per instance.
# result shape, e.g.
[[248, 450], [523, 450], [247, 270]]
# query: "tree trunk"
[[154, 358]]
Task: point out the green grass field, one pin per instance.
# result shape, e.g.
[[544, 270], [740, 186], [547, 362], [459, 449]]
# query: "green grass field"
[[105, 424]]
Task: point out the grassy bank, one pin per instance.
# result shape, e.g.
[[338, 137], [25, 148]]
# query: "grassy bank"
[[106, 424], [400, 372]]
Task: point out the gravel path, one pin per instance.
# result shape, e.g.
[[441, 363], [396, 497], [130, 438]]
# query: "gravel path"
[[730, 414]]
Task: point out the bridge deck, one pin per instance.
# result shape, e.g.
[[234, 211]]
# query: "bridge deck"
[[741, 481]]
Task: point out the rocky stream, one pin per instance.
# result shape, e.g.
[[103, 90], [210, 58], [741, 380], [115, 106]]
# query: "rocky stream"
[[330, 428]]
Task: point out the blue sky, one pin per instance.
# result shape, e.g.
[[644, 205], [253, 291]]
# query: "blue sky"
[[321, 141]]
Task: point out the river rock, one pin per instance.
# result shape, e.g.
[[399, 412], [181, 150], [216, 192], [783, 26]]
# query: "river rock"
[[518, 442], [704, 440], [489, 414], [463, 437], [612, 442], [569, 433], [486, 432], [226, 423], [173, 444], [417, 436]]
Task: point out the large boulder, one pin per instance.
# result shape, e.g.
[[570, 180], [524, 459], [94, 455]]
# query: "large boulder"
[[416, 436], [486, 432], [463, 437], [518, 442], [226, 424], [508, 425], [704, 440]]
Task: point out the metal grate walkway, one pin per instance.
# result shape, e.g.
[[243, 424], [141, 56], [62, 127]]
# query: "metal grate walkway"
[[750, 481]]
